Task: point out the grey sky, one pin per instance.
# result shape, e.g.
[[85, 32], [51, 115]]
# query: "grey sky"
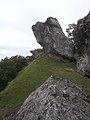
[[17, 17]]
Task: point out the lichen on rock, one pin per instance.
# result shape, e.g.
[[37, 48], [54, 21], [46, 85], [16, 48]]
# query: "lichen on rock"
[[83, 65], [56, 99]]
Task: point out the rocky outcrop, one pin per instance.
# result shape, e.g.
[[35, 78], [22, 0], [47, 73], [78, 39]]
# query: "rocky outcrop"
[[56, 99], [51, 37], [37, 53], [82, 38], [83, 65]]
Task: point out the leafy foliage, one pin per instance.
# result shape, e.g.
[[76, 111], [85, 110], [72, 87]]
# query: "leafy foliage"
[[70, 29], [80, 35], [7, 72], [19, 61], [9, 69]]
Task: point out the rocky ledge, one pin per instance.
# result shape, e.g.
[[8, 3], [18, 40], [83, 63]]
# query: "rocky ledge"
[[56, 99]]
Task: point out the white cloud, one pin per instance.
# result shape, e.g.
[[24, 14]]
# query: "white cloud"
[[13, 38], [17, 17], [13, 42]]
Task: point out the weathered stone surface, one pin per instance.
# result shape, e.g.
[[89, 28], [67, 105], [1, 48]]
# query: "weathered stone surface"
[[56, 99], [9, 117], [83, 38], [51, 37], [83, 65]]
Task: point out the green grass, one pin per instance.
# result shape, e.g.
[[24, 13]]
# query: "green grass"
[[32, 77]]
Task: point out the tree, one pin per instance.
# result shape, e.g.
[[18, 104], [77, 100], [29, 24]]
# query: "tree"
[[19, 61], [80, 35], [70, 30], [8, 71], [3, 81]]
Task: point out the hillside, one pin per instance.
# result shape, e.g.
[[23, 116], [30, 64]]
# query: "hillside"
[[32, 76]]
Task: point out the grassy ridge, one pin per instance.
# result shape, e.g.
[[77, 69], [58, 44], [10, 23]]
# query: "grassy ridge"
[[32, 77]]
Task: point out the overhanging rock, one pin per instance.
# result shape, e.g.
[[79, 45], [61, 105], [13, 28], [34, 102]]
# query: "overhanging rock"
[[53, 40]]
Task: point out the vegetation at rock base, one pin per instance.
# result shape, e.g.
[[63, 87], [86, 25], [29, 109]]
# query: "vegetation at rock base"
[[32, 76]]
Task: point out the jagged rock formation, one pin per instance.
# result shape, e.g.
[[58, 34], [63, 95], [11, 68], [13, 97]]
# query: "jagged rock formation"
[[82, 38], [51, 37], [56, 99], [37, 53]]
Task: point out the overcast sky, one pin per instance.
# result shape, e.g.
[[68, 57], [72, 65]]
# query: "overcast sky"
[[18, 16]]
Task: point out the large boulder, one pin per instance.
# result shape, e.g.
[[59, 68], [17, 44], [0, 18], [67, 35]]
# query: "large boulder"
[[56, 99], [51, 37]]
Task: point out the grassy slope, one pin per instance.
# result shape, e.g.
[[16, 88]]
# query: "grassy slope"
[[33, 76]]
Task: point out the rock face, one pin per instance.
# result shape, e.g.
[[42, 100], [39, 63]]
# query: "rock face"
[[56, 99], [83, 36], [83, 65], [51, 37]]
